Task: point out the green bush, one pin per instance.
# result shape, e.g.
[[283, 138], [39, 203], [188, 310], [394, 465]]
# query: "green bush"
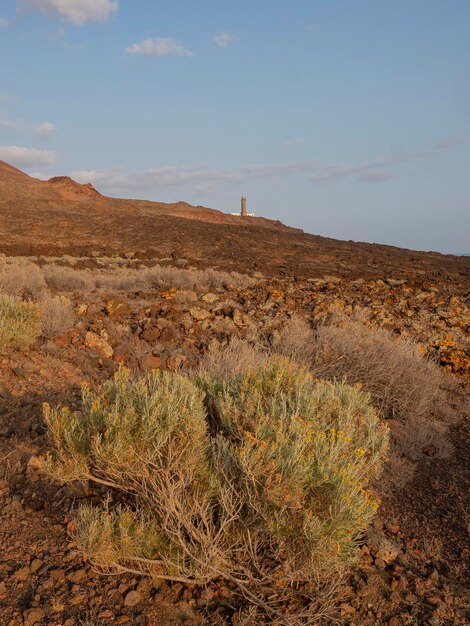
[[300, 454], [260, 478], [20, 323]]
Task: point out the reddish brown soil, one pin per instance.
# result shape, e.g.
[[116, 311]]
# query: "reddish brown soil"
[[62, 217], [43, 580]]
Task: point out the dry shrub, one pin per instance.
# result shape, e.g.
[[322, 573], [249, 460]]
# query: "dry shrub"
[[185, 295], [19, 277], [238, 355], [119, 280], [399, 470], [67, 279], [296, 341], [259, 478], [20, 323], [406, 386], [127, 279], [160, 277], [403, 382], [57, 315]]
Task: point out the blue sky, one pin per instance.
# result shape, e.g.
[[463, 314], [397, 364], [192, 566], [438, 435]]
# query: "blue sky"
[[350, 119]]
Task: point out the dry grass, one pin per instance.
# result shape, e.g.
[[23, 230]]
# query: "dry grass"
[[403, 382], [161, 277], [24, 279], [20, 324], [225, 359], [125, 279], [185, 295], [19, 277], [67, 279], [296, 341], [407, 387], [259, 478], [57, 315]]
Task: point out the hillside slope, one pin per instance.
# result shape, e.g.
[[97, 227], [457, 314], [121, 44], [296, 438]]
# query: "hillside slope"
[[60, 216], [368, 304]]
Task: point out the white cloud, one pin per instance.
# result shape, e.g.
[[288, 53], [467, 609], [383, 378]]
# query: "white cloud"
[[39, 175], [375, 177], [3, 22], [44, 130], [369, 170], [26, 157], [159, 47], [449, 142], [293, 142], [76, 11], [203, 176], [178, 176], [223, 39], [5, 98]]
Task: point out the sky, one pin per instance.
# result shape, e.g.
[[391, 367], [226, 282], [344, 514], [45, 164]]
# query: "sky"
[[349, 119]]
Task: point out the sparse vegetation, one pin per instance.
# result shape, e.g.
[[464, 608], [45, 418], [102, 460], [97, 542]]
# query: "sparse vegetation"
[[246, 481], [403, 382], [25, 281], [19, 277], [260, 478], [67, 279], [20, 323], [238, 355], [164, 277], [406, 386], [57, 315], [297, 341]]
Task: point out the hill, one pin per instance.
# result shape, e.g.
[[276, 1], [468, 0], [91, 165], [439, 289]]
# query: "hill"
[[61, 216], [177, 288]]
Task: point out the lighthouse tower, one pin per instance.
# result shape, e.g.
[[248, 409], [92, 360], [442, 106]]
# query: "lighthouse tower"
[[243, 212]]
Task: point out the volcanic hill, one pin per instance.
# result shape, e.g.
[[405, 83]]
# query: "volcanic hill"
[[152, 286], [61, 216]]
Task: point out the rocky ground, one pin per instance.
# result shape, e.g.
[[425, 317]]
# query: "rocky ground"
[[415, 561], [60, 216]]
